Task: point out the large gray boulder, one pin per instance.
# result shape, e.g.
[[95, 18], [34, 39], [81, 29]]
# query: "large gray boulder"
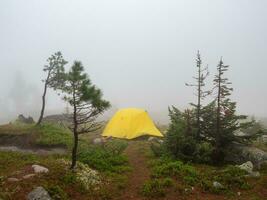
[[239, 154], [38, 193]]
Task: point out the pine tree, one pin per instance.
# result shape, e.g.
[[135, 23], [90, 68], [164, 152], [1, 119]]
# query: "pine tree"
[[202, 74], [54, 78], [86, 102]]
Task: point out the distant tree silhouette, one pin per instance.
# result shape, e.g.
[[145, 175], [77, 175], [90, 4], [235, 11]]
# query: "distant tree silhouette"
[[54, 78]]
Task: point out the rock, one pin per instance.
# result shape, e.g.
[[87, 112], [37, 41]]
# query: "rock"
[[38, 193], [217, 185], [238, 153], [12, 180], [61, 119], [151, 139], [240, 133], [160, 141], [254, 175], [39, 169], [98, 141], [28, 176], [155, 139], [238, 193], [264, 138], [25, 120], [247, 166]]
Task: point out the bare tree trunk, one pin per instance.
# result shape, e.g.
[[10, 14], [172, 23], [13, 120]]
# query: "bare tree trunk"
[[43, 106], [74, 150], [75, 133], [198, 103], [43, 99], [218, 121]]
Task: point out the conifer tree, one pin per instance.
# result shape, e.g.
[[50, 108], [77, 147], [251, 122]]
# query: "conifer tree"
[[86, 102], [202, 74], [54, 78], [226, 119]]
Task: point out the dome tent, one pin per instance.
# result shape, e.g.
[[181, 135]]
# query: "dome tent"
[[130, 123]]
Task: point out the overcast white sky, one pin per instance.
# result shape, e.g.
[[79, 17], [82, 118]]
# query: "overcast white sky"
[[139, 52]]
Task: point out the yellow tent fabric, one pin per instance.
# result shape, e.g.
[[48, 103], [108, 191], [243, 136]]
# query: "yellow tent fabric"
[[130, 123]]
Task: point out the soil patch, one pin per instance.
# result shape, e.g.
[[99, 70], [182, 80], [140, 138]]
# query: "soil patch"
[[139, 174]]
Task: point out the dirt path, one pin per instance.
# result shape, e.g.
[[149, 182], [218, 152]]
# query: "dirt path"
[[140, 172]]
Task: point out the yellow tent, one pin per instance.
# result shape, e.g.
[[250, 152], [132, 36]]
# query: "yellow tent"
[[130, 123]]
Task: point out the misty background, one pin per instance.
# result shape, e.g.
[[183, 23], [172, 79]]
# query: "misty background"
[[139, 52]]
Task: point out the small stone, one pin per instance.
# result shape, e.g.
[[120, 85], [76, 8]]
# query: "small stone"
[[38, 193], [239, 193], [150, 139], [160, 141], [98, 141], [12, 180], [39, 169], [217, 184], [247, 166], [28, 176], [253, 174]]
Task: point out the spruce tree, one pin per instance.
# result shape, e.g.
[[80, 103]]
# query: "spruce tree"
[[54, 78], [202, 74], [227, 122], [86, 102]]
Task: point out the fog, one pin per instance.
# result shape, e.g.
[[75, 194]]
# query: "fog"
[[139, 52]]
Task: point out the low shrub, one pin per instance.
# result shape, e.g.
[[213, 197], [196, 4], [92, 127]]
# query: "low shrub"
[[156, 187], [105, 159], [176, 169], [56, 192], [231, 178], [158, 149], [167, 182], [84, 175], [69, 178], [115, 146]]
